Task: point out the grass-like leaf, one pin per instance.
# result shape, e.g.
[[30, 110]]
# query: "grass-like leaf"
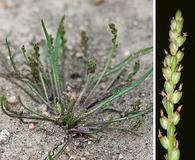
[[53, 59], [118, 94]]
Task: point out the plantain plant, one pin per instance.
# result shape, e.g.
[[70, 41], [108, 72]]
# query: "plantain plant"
[[171, 96], [45, 81]]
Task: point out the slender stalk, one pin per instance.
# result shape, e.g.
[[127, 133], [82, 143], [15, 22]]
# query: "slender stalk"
[[171, 96], [114, 79], [12, 80], [130, 58], [34, 89], [31, 110], [23, 51], [123, 63], [43, 85], [88, 80], [109, 58], [100, 126], [12, 61], [3, 106], [134, 114]]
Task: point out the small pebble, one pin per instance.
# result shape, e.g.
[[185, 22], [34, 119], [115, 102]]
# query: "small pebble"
[[76, 143], [69, 88], [34, 157], [74, 157], [120, 156], [4, 136], [12, 100], [79, 54], [73, 96], [45, 113], [87, 154], [77, 5], [70, 47], [31, 126], [67, 149], [114, 61], [97, 2], [70, 25], [82, 28], [130, 151], [43, 107], [4, 5], [45, 134], [126, 53], [89, 142], [72, 53]]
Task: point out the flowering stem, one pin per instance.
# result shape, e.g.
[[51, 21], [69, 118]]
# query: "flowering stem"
[[171, 96]]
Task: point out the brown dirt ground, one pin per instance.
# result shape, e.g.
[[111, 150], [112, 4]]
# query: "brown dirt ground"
[[20, 22]]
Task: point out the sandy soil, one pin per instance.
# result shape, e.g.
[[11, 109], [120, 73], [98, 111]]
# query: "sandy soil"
[[20, 22]]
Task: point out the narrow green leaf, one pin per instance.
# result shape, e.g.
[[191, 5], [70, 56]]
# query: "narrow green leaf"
[[31, 110], [12, 60], [53, 60], [109, 58], [59, 36], [117, 94], [123, 63]]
